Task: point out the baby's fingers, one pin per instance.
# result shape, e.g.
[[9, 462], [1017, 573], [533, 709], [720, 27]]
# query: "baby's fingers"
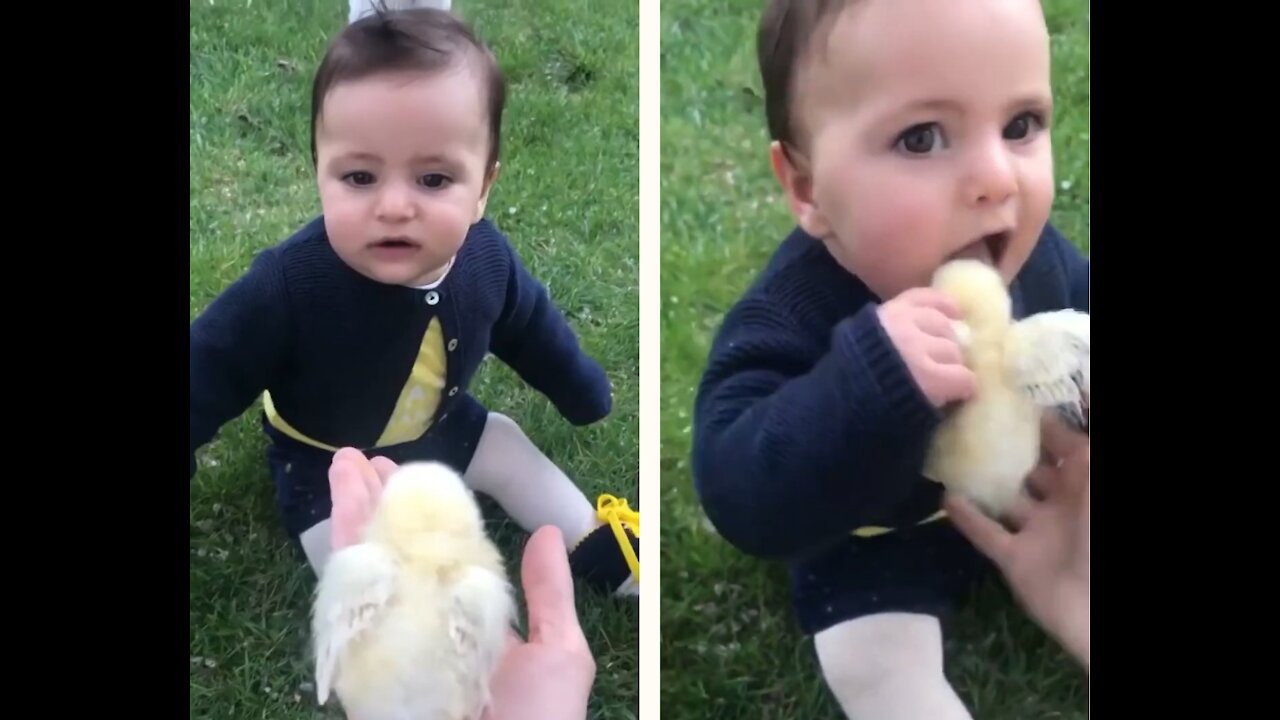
[[932, 299], [944, 352], [948, 383], [935, 323]]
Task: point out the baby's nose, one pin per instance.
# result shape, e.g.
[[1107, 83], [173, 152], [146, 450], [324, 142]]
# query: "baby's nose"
[[993, 180], [394, 203]]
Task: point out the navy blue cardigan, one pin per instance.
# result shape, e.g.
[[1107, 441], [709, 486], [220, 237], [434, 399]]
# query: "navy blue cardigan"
[[807, 423], [334, 347]]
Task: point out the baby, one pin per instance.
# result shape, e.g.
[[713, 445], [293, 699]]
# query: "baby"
[[366, 326], [905, 133]]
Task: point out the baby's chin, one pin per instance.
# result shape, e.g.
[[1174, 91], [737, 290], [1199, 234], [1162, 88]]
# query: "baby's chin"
[[407, 276]]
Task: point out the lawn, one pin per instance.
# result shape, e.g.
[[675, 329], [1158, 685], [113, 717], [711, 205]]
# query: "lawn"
[[730, 645], [567, 198]]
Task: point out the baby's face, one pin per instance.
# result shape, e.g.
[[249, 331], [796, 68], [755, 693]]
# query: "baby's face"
[[401, 168], [924, 128]]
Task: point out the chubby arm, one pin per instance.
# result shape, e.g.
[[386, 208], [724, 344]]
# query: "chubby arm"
[[237, 345], [796, 444], [535, 340]]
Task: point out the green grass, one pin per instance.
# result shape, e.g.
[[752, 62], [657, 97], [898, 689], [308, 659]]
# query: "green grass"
[[567, 198], [730, 646]]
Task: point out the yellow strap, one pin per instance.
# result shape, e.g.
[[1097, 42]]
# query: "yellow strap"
[[279, 423], [616, 512], [873, 530]]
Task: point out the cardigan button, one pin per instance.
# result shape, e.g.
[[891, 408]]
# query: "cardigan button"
[[433, 297], [453, 391], [453, 344]]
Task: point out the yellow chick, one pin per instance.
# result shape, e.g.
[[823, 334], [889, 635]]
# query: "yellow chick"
[[989, 445], [411, 622]]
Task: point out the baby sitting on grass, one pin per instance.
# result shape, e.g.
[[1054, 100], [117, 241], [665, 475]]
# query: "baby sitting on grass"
[[365, 328]]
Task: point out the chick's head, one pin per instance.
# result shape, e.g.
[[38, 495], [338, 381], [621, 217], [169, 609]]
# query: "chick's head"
[[978, 290], [422, 498]]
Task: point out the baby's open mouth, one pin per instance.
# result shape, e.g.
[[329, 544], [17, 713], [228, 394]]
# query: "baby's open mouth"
[[988, 248], [398, 242]]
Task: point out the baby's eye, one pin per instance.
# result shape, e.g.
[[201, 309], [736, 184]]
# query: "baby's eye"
[[920, 139], [1022, 126], [435, 180], [359, 177]]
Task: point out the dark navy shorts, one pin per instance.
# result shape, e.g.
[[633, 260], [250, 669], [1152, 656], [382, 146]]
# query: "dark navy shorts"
[[925, 569], [301, 472]]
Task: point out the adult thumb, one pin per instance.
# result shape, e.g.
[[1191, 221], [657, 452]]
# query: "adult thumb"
[[548, 591]]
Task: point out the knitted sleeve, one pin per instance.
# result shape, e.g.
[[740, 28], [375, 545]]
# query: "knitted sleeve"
[[238, 345], [1077, 278], [796, 443], [535, 340]]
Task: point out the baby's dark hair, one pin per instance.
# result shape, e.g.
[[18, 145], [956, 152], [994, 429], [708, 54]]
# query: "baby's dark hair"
[[421, 39], [789, 30]]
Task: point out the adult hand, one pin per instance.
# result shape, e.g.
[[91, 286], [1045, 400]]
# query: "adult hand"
[[1045, 557], [548, 676]]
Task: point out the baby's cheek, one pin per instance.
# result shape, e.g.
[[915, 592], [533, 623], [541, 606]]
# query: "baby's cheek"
[[344, 226], [896, 238], [448, 224]]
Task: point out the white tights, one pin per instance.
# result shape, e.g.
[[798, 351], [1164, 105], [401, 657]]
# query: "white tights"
[[509, 468], [888, 667]]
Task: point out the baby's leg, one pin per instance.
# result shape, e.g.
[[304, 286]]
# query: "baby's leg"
[[508, 467], [888, 666], [317, 544]]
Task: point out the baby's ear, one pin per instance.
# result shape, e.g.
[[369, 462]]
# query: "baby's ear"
[[797, 182], [489, 179]]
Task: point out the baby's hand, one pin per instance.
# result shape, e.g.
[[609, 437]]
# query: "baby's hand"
[[918, 323]]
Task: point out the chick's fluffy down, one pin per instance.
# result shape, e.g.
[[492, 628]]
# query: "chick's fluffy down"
[[987, 446], [411, 622]]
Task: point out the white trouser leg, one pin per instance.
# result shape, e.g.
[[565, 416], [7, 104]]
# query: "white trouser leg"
[[509, 468], [888, 667], [317, 544]]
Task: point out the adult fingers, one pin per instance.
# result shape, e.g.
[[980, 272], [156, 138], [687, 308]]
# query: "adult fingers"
[[1071, 450], [352, 505], [548, 591], [384, 467], [1042, 479], [1021, 511], [368, 475], [989, 536], [1059, 440], [513, 641]]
